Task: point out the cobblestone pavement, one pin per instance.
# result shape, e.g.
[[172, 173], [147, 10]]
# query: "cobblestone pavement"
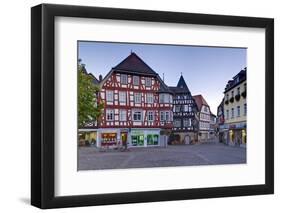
[[89, 158]]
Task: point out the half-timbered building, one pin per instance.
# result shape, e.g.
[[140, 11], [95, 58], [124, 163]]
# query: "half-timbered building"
[[204, 118], [137, 105], [184, 112]]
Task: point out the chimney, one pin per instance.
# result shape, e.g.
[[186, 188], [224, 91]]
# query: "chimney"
[[100, 78]]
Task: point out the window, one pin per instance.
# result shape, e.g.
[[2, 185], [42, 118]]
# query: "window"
[[124, 79], [109, 114], [123, 115], [149, 98], [205, 108], [171, 98], [177, 108], [238, 91], [137, 98], [238, 111], [152, 139], [165, 98], [150, 116], [161, 98], [136, 80], [227, 114], [109, 95], [232, 112], [167, 116], [137, 115], [227, 97], [177, 123], [186, 122], [122, 97], [186, 108], [245, 109], [162, 116], [148, 82], [232, 93]]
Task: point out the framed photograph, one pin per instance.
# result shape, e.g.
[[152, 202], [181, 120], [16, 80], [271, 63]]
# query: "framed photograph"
[[136, 106]]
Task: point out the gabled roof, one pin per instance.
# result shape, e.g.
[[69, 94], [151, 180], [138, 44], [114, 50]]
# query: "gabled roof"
[[200, 101], [134, 64], [163, 87], [181, 87], [95, 80]]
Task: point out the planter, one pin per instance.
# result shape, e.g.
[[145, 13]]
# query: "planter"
[[244, 94], [231, 100], [237, 97], [226, 102]]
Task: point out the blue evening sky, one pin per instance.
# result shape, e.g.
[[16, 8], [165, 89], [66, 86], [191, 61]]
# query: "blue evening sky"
[[206, 70]]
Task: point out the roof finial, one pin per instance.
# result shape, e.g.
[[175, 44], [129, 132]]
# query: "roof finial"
[[131, 51], [181, 73]]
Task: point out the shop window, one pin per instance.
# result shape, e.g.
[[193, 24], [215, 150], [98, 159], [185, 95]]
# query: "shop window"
[[152, 139], [138, 140]]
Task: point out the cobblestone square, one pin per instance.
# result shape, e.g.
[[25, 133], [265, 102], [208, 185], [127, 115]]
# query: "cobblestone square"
[[90, 158]]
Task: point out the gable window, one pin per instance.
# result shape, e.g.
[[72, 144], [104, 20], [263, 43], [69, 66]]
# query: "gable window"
[[137, 115], [149, 98], [150, 116], [137, 97], [109, 95], [122, 97], [123, 115], [136, 80], [109, 114], [148, 82], [124, 79]]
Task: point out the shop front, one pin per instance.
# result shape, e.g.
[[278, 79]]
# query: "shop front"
[[87, 137], [144, 137], [237, 135]]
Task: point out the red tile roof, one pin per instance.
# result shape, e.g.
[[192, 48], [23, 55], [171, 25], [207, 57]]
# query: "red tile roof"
[[200, 101]]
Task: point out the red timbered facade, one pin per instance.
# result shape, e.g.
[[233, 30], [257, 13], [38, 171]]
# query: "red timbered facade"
[[137, 105]]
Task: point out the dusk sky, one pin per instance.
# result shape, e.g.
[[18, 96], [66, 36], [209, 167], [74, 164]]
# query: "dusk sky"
[[206, 70]]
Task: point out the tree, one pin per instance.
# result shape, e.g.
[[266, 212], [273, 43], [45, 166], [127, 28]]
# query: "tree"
[[89, 110]]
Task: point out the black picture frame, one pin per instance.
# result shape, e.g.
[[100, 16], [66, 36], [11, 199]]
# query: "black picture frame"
[[43, 105]]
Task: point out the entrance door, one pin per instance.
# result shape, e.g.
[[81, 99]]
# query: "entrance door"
[[124, 136]]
